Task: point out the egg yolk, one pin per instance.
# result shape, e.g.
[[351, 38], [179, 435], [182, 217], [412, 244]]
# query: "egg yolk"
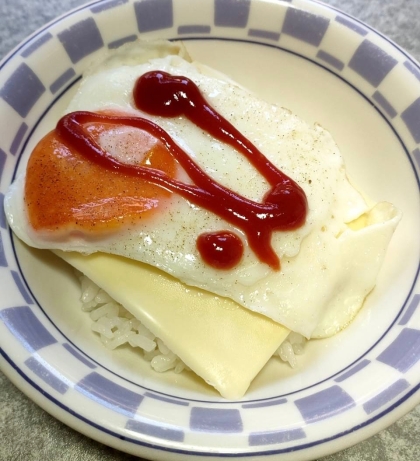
[[66, 191]]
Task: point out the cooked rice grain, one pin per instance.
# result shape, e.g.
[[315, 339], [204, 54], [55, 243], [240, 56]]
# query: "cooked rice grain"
[[116, 326]]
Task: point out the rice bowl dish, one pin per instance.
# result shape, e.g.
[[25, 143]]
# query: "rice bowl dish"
[[335, 242], [326, 364]]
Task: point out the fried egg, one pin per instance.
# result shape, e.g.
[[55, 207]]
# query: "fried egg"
[[328, 266]]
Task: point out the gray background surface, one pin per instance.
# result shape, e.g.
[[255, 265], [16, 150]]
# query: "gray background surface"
[[29, 433]]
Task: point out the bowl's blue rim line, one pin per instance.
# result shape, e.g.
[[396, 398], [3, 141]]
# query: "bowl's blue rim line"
[[19, 157], [88, 5], [201, 453]]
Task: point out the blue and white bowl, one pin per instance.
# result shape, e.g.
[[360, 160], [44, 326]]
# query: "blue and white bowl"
[[326, 67]]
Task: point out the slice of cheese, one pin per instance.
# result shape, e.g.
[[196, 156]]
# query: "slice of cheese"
[[220, 341]]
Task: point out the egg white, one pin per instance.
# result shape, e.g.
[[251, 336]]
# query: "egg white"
[[327, 268]]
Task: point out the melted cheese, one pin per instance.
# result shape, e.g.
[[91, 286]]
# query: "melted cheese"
[[220, 341]]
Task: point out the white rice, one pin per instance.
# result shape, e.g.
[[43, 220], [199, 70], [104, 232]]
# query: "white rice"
[[116, 326]]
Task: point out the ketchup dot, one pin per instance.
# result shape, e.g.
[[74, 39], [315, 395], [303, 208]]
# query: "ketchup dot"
[[221, 250]]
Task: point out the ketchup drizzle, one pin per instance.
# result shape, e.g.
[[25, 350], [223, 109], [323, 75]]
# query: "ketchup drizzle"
[[284, 206]]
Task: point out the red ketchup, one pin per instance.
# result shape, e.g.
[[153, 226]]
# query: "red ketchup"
[[283, 208], [222, 250]]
